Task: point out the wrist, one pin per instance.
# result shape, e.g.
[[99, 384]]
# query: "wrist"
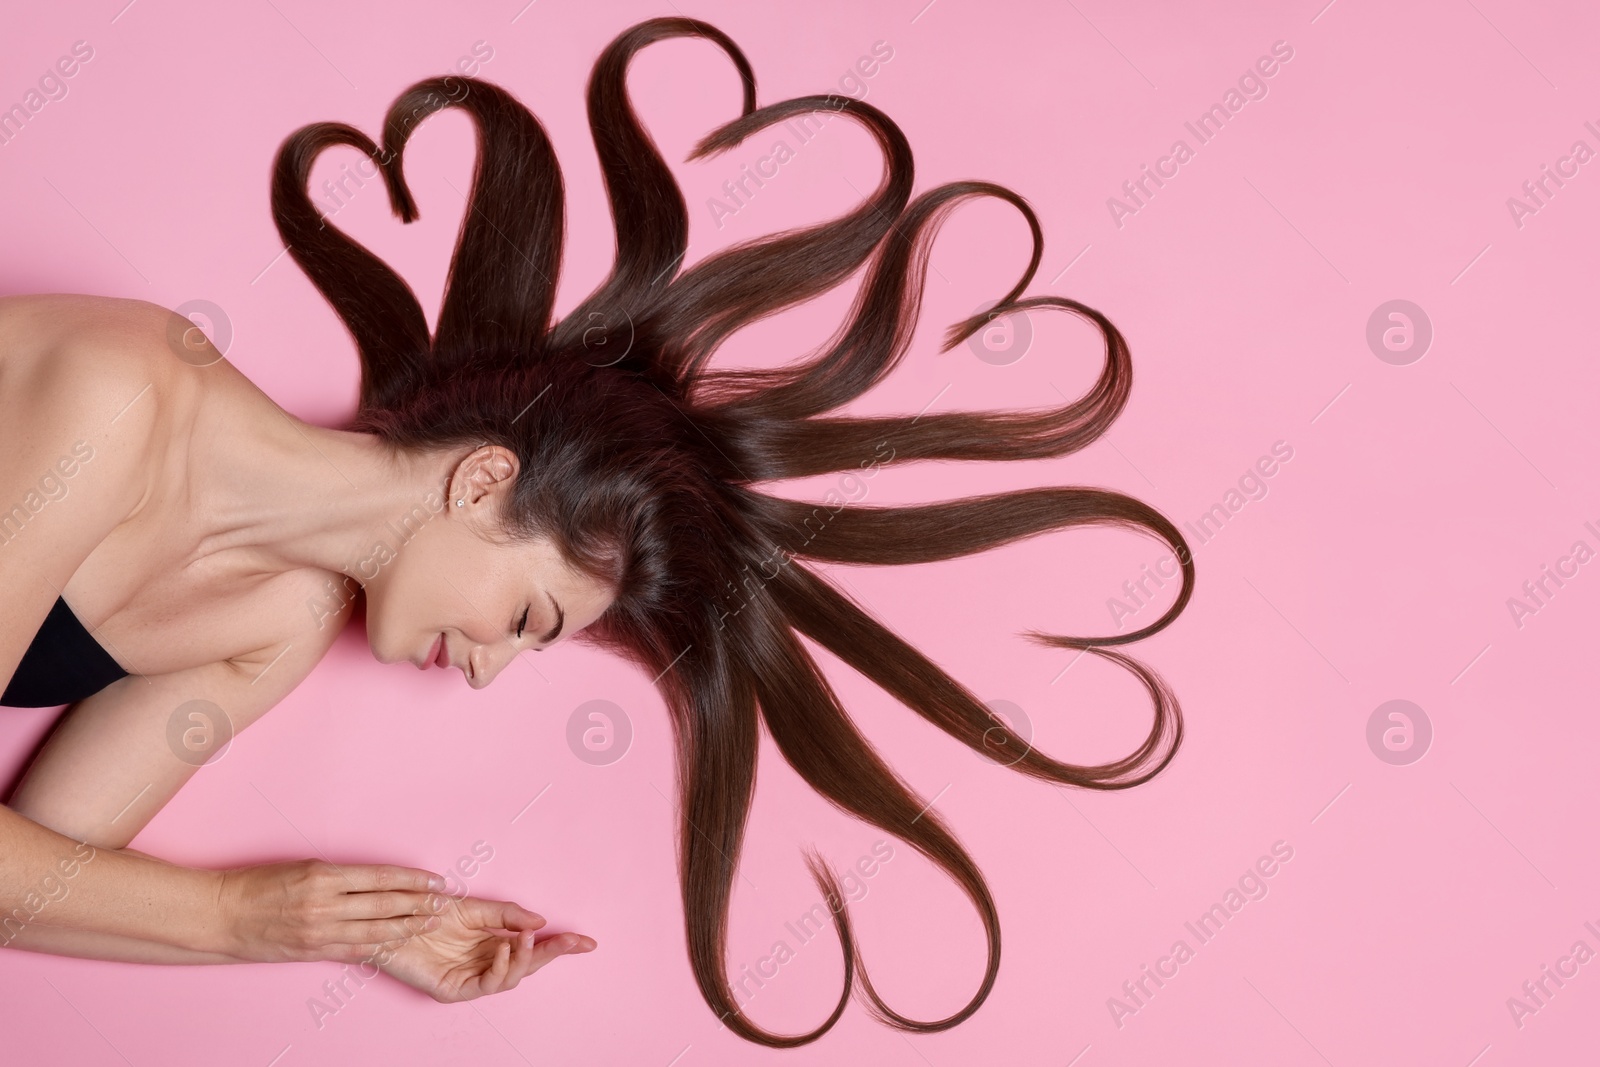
[[207, 924]]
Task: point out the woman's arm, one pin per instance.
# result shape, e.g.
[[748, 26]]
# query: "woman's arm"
[[99, 945], [49, 878], [114, 745], [103, 898], [110, 765], [105, 771], [95, 945]]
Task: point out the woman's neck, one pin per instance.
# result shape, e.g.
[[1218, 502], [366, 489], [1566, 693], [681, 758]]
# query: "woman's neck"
[[295, 495]]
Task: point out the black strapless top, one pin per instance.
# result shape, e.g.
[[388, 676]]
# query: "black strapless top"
[[62, 666]]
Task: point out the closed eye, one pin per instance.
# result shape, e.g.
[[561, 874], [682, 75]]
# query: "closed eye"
[[522, 623]]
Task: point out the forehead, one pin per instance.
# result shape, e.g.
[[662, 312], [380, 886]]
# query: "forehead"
[[541, 564]]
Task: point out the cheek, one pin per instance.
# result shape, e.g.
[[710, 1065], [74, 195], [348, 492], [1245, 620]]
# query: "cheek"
[[411, 593]]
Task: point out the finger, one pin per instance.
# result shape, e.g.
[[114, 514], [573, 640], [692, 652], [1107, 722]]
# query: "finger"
[[495, 980], [365, 877], [361, 931], [486, 981], [560, 945], [521, 964], [481, 914], [382, 904]]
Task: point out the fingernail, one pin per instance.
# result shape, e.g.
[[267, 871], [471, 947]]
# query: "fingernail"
[[436, 882]]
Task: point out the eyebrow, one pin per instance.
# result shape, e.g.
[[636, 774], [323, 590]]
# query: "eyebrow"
[[561, 620]]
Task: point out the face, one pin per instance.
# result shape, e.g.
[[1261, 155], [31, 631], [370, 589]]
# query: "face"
[[454, 592]]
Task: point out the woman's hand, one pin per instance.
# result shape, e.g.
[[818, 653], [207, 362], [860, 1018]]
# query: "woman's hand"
[[312, 910], [480, 947]]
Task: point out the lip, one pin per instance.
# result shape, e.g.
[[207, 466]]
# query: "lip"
[[434, 651]]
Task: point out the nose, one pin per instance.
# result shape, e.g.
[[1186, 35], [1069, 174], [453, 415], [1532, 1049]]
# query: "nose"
[[485, 663]]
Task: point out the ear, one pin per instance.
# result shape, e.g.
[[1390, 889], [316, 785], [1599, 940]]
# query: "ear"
[[489, 471]]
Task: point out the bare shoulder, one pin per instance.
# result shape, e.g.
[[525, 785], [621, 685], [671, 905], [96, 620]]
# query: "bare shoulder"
[[81, 420], [50, 328], [90, 375], [107, 360]]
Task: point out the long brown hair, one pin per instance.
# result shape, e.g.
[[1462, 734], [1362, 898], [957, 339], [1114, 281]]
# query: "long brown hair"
[[640, 464]]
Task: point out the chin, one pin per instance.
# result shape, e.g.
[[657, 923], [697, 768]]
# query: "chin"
[[386, 650], [377, 652]]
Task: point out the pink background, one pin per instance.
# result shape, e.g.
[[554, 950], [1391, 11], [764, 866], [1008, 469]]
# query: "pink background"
[[1378, 566]]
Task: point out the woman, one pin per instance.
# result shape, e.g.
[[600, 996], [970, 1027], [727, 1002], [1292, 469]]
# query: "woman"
[[591, 478]]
